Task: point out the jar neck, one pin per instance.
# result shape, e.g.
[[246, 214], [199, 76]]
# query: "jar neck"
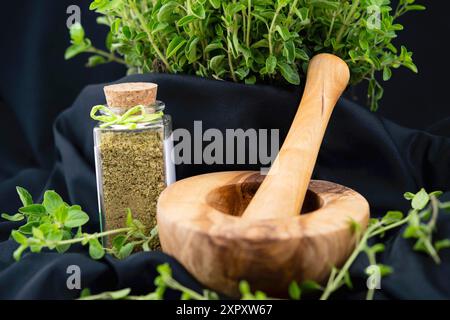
[[158, 106]]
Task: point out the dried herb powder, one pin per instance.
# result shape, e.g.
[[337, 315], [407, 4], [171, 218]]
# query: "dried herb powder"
[[132, 163]]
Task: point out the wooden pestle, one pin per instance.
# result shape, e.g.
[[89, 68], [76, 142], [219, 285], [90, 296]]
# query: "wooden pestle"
[[228, 226], [284, 188]]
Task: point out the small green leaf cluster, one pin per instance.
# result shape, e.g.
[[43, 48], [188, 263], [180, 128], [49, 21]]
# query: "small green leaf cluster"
[[81, 44], [296, 291], [134, 235], [165, 281], [250, 41], [422, 222], [48, 224], [247, 294], [56, 225]]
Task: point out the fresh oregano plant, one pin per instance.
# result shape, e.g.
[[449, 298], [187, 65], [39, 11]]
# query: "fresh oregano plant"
[[54, 224], [250, 41], [420, 221]]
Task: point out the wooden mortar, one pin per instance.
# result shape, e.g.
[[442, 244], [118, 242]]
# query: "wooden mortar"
[[231, 226]]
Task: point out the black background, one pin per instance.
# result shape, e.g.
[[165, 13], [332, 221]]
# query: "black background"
[[361, 150]]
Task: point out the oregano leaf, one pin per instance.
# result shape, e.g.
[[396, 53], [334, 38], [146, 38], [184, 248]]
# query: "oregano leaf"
[[420, 200], [96, 250], [25, 196], [14, 218], [52, 201]]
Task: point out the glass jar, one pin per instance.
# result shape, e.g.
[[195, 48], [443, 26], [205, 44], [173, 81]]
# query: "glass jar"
[[133, 166]]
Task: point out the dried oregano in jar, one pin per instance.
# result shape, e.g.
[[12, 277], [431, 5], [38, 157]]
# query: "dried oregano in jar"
[[132, 149]]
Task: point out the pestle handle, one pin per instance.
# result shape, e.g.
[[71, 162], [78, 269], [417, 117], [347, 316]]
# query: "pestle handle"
[[284, 188]]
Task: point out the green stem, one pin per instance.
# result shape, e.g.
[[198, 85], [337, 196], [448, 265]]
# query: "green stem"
[[175, 285], [144, 6], [432, 252], [150, 36], [249, 21], [434, 214], [203, 42], [389, 227], [244, 24], [107, 55], [291, 12], [400, 10], [431, 226], [331, 26], [91, 236], [272, 26], [329, 283], [150, 296], [230, 61], [372, 262], [188, 7], [334, 285], [347, 20]]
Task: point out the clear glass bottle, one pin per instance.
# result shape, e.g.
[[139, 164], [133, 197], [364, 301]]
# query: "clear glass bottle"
[[133, 166]]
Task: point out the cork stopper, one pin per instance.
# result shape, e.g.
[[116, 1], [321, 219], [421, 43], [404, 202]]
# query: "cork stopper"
[[128, 95]]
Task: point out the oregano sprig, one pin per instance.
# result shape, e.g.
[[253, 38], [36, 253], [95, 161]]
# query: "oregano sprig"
[[421, 221], [56, 225]]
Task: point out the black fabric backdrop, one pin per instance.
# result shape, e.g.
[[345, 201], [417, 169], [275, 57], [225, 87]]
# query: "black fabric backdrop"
[[362, 150]]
